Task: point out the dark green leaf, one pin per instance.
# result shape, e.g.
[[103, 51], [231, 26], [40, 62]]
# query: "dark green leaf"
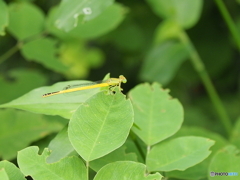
[[25, 20], [163, 61]]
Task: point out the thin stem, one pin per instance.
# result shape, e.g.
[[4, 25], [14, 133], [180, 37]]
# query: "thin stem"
[[230, 24], [200, 68], [87, 166], [148, 150], [135, 141], [9, 53]]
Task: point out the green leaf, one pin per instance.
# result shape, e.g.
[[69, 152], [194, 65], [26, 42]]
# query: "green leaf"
[[175, 9], [179, 153], [79, 58], [18, 129], [109, 19], [167, 30], [3, 174], [100, 125], [43, 51], [60, 147], [156, 113], [200, 170], [12, 171], [69, 11], [25, 20], [126, 170], [62, 105], [117, 155], [3, 17], [21, 77], [163, 61], [34, 165], [235, 136], [225, 160]]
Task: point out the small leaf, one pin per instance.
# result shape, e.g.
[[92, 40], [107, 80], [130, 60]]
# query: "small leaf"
[[163, 61], [117, 155], [43, 51], [126, 170], [3, 17], [18, 129], [61, 104], [178, 154], [11, 170], [100, 125], [156, 114], [25, 20], [225, 160], [60, 147], [175, 9], [34, 165], [69, 12]]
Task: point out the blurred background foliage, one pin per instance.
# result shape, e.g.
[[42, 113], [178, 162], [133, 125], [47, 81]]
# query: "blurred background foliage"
[[43, 42]]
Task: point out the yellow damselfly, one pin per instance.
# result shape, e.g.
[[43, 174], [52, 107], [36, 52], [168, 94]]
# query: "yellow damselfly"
[[111, 82]]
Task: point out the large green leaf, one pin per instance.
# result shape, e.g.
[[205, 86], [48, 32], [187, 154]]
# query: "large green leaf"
[[200, 170], [62, 105], [126, 170], [60, 147], [156, 113], [21, 84], [100, 125], [11, 170], [179, 153], [34, 165], [43, 51], [117, 155], [163, 61], [109, 19], [25, 20], [225, 160], [235, 136], [185, 12], [18, 129], [3, 17], [69, 11], [3, 175]]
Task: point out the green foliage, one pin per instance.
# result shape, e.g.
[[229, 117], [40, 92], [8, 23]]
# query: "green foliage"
[[102, 133], [228, 155], [32, 164], [3, 19], [132, 170], [88, 133]]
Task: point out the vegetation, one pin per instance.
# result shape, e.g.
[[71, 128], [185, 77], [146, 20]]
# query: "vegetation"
[[137, 132]]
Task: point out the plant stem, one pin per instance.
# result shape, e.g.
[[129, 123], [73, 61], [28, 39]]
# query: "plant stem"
[[200, 68], [87, 167], [9, 53], [231, 26]]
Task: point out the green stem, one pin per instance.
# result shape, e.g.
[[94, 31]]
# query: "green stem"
[[9, 53], [138, 146], [87, 166], [200, 68], [231, 26]]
